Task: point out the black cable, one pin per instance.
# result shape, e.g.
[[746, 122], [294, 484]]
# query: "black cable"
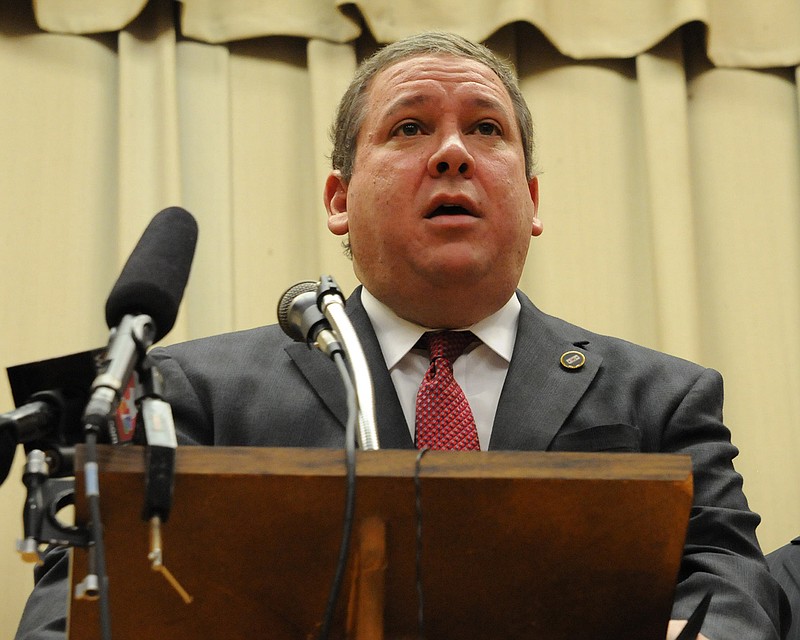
[[350, 500], [418, 497], [93, 497]]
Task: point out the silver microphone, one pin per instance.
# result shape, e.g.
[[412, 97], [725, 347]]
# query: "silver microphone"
[[314, 313]]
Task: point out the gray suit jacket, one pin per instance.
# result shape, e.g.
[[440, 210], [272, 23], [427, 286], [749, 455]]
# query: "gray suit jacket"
[[259, 388], [784, 563]]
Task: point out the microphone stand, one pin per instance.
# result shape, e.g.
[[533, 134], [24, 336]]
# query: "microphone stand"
[[127, 348], [98, 577], [48, 492]]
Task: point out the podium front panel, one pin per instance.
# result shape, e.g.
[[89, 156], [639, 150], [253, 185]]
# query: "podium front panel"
[[514, 544]]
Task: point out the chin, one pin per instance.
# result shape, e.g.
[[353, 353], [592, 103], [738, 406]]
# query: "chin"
[[460, 272]]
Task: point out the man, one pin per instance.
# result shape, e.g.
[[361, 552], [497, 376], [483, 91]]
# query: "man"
[[433, 182]]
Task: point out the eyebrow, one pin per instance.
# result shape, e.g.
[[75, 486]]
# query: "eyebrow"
[[406, 101], [418, 99], [489, 103]]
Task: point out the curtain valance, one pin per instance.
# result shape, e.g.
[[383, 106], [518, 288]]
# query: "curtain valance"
[[740, 33]]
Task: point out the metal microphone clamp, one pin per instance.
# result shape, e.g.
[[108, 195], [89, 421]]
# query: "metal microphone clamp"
[[45, 497]]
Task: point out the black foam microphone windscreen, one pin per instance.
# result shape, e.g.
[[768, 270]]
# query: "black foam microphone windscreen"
[[8, 446], [155, 275]]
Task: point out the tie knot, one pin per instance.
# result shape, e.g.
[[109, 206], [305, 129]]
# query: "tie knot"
[[448, 344]]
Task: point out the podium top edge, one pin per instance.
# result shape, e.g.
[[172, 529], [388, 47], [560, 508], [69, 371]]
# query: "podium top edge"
[[295, 461]]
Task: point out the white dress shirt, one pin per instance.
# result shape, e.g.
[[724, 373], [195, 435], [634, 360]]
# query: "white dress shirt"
[[481, 370]]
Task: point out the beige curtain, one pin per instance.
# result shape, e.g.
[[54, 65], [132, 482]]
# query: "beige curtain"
[[667, 135]]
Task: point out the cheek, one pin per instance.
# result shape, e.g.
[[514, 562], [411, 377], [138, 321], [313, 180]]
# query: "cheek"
[[374, 189], [512, 195], [516, 214], [382, 201]]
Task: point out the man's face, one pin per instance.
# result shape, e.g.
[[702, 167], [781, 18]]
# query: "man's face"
[[438, 199]]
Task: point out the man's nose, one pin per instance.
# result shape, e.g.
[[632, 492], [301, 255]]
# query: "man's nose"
[[451, 158]]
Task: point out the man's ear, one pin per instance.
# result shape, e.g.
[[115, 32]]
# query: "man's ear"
[[336, 203], [533, 188]]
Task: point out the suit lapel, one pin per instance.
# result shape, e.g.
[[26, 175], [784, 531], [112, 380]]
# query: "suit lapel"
[[393, 430], [539, 393], [321, 374]]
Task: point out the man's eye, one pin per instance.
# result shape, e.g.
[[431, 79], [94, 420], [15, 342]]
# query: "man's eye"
[[488, 129], [409, 129]]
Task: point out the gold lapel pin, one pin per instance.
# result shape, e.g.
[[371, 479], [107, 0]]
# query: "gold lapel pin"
[[573, 360]]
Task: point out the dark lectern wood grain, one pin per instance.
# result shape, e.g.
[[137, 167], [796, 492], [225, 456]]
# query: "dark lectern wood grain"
[[515, 544]]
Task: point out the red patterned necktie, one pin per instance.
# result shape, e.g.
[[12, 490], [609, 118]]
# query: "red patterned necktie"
[[444, 418]]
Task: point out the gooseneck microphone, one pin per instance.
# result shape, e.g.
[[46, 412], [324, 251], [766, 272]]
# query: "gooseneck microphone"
[[330, 300], [142, 306], [313, 312], [302, 319]]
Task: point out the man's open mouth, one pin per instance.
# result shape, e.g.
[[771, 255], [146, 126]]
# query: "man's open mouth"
[[449, 210]]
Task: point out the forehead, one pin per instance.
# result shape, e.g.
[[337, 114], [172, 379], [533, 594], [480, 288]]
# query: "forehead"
[[430, 73]]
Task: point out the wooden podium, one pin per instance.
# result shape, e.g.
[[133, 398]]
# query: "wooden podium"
[[514, 545]]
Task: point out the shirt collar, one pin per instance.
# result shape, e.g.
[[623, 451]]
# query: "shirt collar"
[[397, 336]]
